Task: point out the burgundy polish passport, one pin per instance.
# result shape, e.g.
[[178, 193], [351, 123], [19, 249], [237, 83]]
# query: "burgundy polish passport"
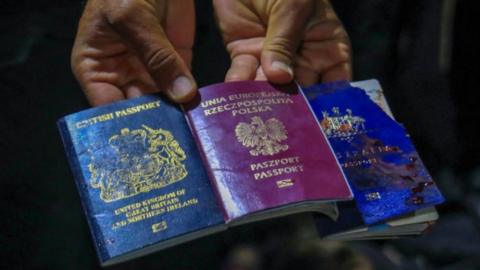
[[263, 148]]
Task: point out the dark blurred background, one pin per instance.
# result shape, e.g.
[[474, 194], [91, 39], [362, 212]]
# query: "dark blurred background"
[[424, 53]]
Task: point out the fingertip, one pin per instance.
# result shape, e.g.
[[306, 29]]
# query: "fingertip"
[[138, 88], [133, 92], [185, 98], [278, 71], [183, 89], [260, 76], [100, 93], [232, 77], [242, 68]]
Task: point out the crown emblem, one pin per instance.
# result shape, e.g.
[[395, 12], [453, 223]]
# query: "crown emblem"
[[136, 161], [343, 126], [263, 137]]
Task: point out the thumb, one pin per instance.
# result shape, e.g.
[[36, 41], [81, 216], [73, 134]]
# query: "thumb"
[[286, 24], [139, 24]]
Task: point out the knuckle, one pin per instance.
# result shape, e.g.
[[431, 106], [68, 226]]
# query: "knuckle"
[[345, 52], [280, 45], [161, 59], [235, 48]]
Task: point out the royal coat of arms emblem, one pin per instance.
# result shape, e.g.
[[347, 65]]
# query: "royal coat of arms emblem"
[[263, 137], [136, 161], [342, 126]]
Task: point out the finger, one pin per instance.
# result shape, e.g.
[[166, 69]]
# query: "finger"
[[244, 54], [180, 27], [324, 55], [326, 45], [340, 72], [286, 26], [252, 46], [100, 93], [137, 21], [243, 68], [237, 20], [137, 88], [260, 76], [305, 76]]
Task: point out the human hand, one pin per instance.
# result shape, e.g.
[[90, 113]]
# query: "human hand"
[[127, 48], [281, 40]]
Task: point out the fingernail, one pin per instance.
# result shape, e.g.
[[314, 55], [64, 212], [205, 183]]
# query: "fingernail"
[[282, 66], [182, 86]]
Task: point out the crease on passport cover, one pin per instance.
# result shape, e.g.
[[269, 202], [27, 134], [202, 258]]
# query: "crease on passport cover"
[[78, 177]]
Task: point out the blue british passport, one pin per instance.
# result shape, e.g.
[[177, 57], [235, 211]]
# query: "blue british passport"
[[140, 177], [384, 170]]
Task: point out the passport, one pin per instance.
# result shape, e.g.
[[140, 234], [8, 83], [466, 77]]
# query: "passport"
[[151, 174], [140, 178], [391, 185], [263, 147]]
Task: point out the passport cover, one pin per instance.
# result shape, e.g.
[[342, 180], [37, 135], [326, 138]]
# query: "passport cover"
[[263, 147], [386, 174], [139, 174]]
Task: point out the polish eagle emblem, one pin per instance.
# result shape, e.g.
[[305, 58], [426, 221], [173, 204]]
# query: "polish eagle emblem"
[[262, 137], [136, 161]]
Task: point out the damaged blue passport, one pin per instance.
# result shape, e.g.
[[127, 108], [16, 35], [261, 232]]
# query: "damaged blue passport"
[[383, 168]]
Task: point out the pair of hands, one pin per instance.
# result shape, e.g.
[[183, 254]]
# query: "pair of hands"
[[126, 48]]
